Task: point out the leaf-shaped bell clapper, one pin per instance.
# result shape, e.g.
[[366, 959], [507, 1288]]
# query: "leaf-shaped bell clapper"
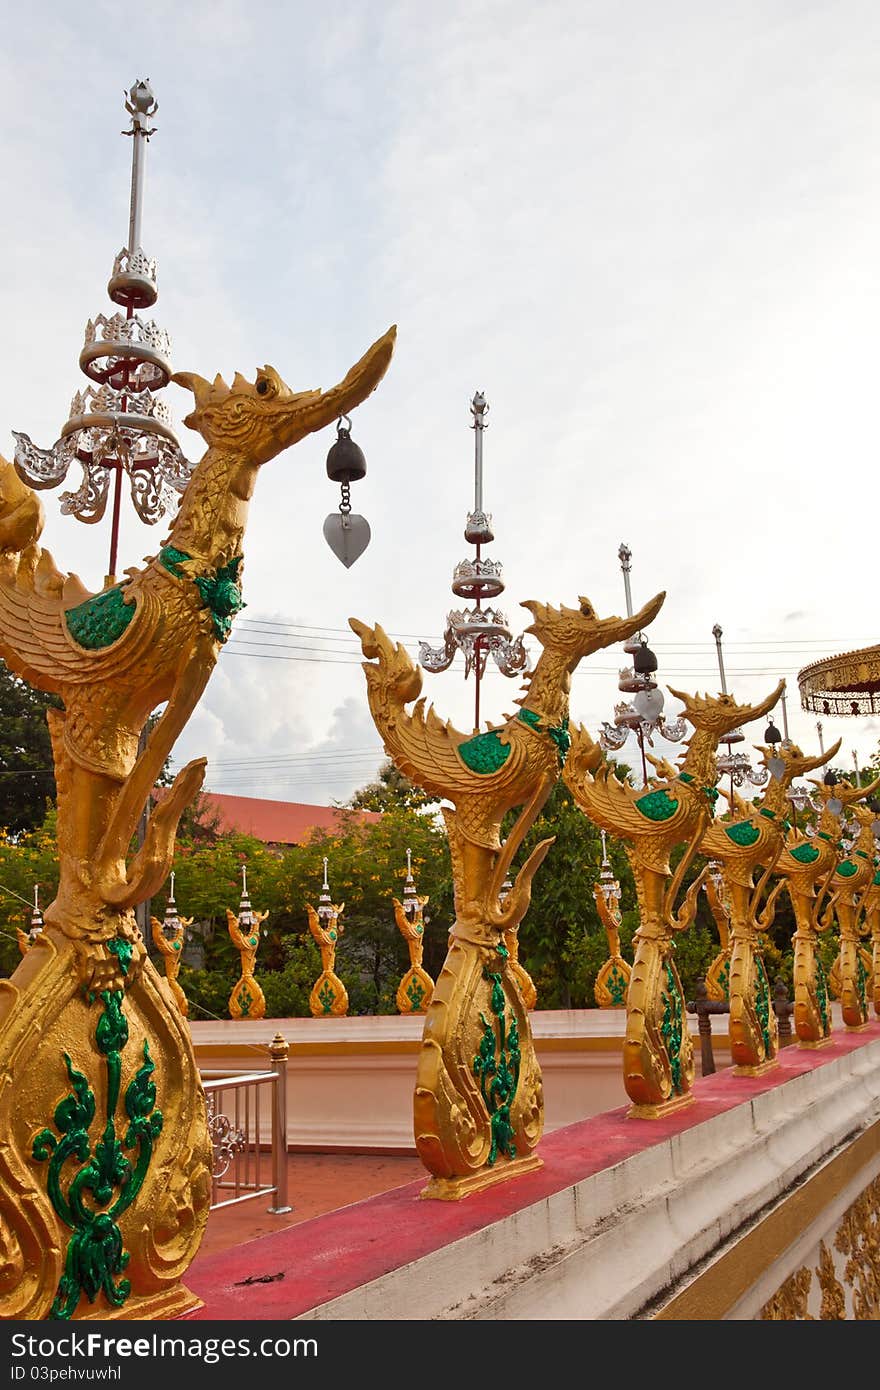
[[347, 534]]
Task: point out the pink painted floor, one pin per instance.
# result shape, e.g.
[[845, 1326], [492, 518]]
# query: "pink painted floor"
[[317, 1183]]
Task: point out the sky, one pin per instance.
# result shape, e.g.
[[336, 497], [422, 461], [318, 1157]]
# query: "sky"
[[648, 233]]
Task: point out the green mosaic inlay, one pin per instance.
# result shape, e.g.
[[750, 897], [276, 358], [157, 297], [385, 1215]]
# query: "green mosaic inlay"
[[862, 985], [326, 996], [220, 593], [671, 1028], [724, 978], [100, 621], [484, 752], [877, 877], [685, 777], [557, 733], [804, 854], [743, 833], [762, 1002], [771, 815], [822, 994], [245, 999], [846, 868], [657, 805], [617, 983], [95, 1255], [496, 1067], [415, 994]]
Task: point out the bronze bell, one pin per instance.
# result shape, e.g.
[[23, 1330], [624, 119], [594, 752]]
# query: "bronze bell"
[[772, 734], [345, 461], [644, 660]]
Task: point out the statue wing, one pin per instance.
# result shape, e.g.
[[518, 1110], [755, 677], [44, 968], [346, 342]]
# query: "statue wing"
[[36, 641]]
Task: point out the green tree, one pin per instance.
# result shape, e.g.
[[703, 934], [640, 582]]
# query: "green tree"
[[390, 790], [27, 777]]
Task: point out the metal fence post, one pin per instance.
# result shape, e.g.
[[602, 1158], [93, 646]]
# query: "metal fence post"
[[783, 1009], [704, 1008], [278, 1052]]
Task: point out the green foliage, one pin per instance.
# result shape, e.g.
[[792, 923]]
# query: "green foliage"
[[27, 783], [392, 790], [27, 860]]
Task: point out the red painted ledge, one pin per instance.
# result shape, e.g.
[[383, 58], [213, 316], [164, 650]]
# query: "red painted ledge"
[[333, 1254]]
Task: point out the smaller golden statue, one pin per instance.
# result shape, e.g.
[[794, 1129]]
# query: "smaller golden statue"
[[416, 988], [612, 981], [247, 999], [329, 997], [718, 974], [168, 938], [26, 939]]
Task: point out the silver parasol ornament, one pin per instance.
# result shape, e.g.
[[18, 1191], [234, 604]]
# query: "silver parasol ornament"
[[117, 424], [478, 632]]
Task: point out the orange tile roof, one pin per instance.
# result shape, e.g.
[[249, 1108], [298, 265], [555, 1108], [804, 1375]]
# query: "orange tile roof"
[[277, 822]]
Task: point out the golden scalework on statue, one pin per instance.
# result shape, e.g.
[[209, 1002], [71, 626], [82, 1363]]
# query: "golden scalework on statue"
[[169, 936], [672, 810], [106, 1145], [478, 1105], [749, 838]]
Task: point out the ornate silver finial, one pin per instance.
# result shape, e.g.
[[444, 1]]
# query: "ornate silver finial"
[[609, 885], [37, 923], [117, 425], [325, 902], [245, 910], [477, 632], [644, 714]]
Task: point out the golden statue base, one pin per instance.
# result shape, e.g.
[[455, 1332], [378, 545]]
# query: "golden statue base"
[[857, 1027], [661, 1110], [171, 1303], [813, 1046], [746, 1069], [454, 1189]]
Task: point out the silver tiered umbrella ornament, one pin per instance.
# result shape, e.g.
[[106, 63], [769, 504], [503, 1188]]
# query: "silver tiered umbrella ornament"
[[478, 632], [643, 715], [117, 424]]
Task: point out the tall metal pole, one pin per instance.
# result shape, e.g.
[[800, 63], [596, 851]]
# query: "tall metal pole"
[[625, 555], [785, 718], [819, 732], [717, 633], [478, 410]]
